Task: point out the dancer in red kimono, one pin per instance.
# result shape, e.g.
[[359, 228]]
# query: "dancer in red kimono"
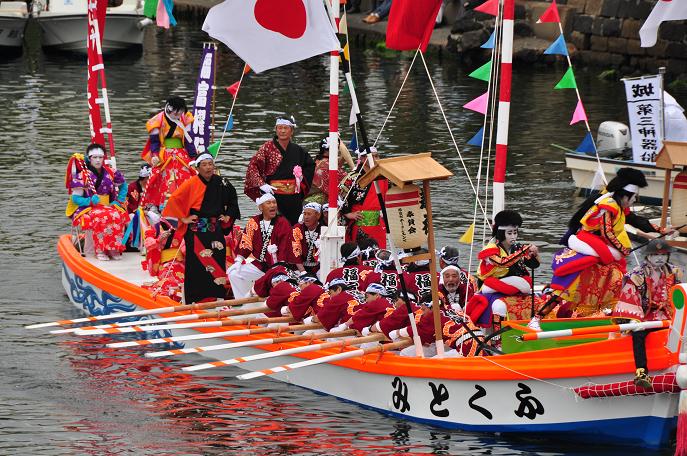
[[305, 239]]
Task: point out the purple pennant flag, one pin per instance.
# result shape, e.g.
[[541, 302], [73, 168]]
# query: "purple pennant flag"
[[202, 103]]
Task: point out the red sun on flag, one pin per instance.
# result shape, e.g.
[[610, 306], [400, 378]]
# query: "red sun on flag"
[[287, 17]]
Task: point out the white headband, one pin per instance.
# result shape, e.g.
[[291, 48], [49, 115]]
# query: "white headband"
[[352, 255], [201, 157], [287, 122], [314, 206], [264, 198], [450, 267], [632, 188], [507, 227], [97, 152], [373, 150]]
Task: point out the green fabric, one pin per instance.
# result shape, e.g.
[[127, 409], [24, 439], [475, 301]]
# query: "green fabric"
[[173, 143], [369, 218], [511, 344], [213, 149], [482, 73], [150, 8], [567, 81]]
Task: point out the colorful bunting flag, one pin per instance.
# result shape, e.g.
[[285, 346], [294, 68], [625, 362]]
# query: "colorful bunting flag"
[[490, 42], [353, 145], [558, 47], [587, 145], [163, 14], [567, 81], [477, 139], [230, 123], [579, 115], [234, 88], [479, 104], [468, 236], [214, 148], [482, 73], [489, 7], [550, 15]]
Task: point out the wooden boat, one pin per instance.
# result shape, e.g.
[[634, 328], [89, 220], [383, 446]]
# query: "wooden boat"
[[537, 391], [13, 19]]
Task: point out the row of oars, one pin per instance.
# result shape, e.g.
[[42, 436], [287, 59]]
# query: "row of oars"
[[280, 330]]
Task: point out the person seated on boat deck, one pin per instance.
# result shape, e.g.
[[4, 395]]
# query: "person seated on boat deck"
[[164, 258], [456, 289], [353, 272], [645, 296], [308, 300], [282, 290], [96, 200], [319, 191], [417, 276], [376, 305], [458, 331], [205, 207], [305, 239], [339, 308], [450, 256], [362, 209], [397, 319], [506, 291], [587, 274], [384, 273], [169, 150], [281, 168], [265, 241], [135, 190], [368, 250]]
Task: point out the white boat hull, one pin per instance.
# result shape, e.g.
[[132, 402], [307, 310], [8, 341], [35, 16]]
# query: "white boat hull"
[[524, 406], [583, 168], [13, 19]]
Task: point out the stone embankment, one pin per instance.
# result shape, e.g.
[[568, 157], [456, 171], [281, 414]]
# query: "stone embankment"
[[599, 33]]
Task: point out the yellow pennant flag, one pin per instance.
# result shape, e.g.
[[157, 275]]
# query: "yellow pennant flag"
[[469, 234]]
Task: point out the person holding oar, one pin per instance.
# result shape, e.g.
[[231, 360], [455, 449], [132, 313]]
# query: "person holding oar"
[[587, 274]]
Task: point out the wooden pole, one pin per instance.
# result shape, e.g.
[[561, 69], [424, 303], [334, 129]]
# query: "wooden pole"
[[433, 272], [666, 196]]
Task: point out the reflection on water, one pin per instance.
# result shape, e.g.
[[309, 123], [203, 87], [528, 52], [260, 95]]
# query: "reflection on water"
[[75, 397]]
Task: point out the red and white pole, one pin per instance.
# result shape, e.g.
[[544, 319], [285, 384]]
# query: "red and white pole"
[[498, 199]]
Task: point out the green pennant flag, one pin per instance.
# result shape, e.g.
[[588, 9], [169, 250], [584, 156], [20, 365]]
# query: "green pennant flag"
[[150, 8], [567, 81], [213, 148], [482, 73]]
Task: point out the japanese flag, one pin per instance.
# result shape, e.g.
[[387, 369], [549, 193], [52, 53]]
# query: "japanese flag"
[[665, 10], [271, 33]]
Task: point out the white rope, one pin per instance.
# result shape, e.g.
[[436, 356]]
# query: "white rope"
[[410, 68], [455, 144]]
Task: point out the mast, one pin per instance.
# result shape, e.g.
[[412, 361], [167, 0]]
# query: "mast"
[[498, 189], [332, 236]]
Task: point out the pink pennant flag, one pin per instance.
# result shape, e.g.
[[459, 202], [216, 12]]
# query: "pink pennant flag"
[[234, 88], [489, 7], [579, 115], [551, 14], [479, 104], [161, 16]]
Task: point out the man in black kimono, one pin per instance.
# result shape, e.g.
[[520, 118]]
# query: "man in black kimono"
[[282, 168]]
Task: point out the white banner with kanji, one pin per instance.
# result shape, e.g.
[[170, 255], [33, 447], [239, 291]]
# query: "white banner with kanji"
[[644, 111]]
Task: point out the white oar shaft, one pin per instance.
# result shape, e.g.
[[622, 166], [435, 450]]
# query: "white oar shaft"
[[129, 323], [601, 330], [274, 354], [310, 362]]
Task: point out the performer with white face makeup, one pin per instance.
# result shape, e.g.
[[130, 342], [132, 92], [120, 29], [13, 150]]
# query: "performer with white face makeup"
[[503, 274], [96, 202], [169, 150]]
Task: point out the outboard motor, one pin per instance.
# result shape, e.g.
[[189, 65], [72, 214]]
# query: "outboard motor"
[[613, 138]]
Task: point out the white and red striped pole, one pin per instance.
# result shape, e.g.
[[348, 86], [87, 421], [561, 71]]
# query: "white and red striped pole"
[[332, 235], [498, 189]]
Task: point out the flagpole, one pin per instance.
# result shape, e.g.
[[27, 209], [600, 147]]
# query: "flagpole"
[[333, 235]]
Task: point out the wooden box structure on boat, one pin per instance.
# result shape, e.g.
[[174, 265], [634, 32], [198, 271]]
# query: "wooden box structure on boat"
[[673, 155], [402, 171]]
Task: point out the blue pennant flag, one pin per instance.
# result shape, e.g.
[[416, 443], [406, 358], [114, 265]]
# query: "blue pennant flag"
[[490, 42], [477, 139], [587, 145], [353, 145], [558, 47], [230, 123]]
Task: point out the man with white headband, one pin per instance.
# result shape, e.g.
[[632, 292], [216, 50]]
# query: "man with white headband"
[[266, 240], [587, 274], [169, 150], [283, 169], [503, 270], [456, 288], [352, 271], [305, 239], [206, 207], [96, 202], [135, 190]]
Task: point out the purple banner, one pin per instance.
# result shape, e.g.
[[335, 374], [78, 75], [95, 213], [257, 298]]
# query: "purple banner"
[[202, 102]]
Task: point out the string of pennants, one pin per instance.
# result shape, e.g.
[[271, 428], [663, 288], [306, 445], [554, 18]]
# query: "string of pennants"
[[558, 47]]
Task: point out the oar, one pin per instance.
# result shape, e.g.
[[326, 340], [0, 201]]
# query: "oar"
[[595, 330], [287, 351], [249, 343], [147, 328], [233, 332], [159, 310], [329, 358], [657, 237], [198, 316]]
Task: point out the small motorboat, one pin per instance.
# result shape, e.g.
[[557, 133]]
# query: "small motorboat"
[[13, 19]]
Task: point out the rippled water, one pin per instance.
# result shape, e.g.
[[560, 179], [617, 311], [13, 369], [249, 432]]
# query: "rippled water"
[[72, 396]]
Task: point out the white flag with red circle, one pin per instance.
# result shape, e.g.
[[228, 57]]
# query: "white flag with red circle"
[[665, 10], [271, 33]]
